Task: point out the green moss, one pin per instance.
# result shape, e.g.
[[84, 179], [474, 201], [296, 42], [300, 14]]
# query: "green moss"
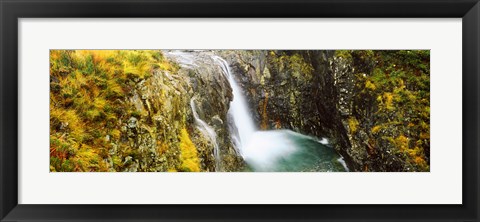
[[396, 86], [299, 68], [345, 54], [135, 114]]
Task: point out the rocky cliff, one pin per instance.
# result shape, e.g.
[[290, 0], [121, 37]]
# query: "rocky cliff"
[[372, 105], [132, 111], [151, 110]]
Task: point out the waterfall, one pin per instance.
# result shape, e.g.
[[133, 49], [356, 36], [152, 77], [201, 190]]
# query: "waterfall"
[[274, 150], [207, 131], [269, 150], [238, 110]]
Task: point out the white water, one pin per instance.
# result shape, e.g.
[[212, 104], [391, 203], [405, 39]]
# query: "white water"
[[275, 150], [207, 131], [239, 110], [342, 161], [267, 147], [324, 141]]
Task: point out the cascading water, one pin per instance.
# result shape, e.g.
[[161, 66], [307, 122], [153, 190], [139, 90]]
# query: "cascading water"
[[207, 131], [238, 109], [275, 150]]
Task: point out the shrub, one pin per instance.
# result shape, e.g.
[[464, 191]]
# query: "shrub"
[[189, 155], [86, 86]]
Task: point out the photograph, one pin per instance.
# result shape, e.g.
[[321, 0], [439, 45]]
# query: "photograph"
[[272, 110]]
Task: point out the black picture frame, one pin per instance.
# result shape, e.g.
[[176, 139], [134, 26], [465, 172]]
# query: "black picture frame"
[[11, 11]]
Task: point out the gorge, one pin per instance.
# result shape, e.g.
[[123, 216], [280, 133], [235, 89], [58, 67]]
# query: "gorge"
[[239, 110]]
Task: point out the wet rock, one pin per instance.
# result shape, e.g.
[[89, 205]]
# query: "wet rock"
[[320, 94]]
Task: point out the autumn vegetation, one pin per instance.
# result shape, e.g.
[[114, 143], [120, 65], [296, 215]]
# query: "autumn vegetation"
[[394, 103], [89, 108], [128, 110]]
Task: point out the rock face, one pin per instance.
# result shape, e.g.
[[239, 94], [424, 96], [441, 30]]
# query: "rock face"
[[150, 110], [164, 102], [322, 94], [159, 107], [211, 93], [131, 110]]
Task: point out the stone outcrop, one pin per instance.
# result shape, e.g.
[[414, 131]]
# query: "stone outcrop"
[[321, 93], [161, 104]]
